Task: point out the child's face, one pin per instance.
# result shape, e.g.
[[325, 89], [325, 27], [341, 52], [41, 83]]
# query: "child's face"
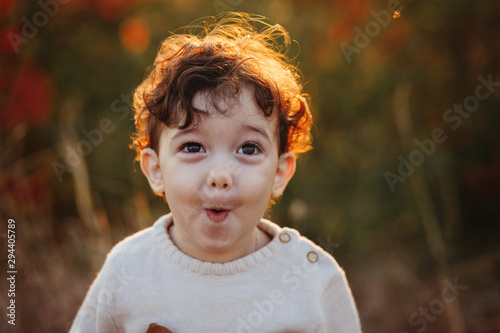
[[218, 177]]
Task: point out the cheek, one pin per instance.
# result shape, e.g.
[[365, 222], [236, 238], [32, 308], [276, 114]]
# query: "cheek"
[[257, 184], [181, 183]]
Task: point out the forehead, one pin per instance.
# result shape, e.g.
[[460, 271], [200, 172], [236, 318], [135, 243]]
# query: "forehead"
[[224, 119], [237, 108]]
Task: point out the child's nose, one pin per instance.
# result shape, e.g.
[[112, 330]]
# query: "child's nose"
[[219, 180]]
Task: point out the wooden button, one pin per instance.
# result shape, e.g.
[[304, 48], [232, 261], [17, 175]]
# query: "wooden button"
[[284, 237], [312, 256]]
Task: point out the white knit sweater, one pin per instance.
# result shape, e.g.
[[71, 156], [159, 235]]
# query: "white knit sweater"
[[289, 285]]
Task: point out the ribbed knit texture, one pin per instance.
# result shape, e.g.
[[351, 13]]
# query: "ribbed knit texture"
[[289, 285]]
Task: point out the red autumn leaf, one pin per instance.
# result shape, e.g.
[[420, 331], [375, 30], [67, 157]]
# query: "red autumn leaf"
[[26, 96], [134, 35]]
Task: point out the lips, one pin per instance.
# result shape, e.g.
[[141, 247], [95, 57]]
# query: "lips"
[[217, 214]]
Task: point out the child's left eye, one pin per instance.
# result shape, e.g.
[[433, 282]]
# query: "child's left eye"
[[192, 147], [250, 148]]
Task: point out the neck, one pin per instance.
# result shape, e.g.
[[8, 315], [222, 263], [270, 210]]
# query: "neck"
[[215, 255]]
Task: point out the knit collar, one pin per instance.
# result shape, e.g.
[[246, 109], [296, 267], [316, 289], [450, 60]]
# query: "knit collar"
[[248, 262]]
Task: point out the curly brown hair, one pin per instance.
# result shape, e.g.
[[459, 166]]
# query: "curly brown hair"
[[228, 53]]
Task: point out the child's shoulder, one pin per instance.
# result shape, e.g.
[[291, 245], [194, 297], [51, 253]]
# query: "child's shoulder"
[[137, 245], [302, 251]]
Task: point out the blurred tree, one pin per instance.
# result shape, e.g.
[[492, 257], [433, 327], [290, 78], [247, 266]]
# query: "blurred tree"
[[90, 55]]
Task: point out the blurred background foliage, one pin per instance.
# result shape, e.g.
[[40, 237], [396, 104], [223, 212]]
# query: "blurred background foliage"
[[66, 83]]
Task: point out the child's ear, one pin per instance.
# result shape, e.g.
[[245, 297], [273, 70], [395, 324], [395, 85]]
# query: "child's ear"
[[150, 166], [284, 172]]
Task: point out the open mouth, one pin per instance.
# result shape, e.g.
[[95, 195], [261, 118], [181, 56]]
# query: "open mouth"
[[217, 214]]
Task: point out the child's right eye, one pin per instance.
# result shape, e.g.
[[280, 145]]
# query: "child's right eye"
[[192, 147]]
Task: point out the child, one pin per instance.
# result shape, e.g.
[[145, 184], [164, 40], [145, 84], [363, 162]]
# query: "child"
[[220, 121]]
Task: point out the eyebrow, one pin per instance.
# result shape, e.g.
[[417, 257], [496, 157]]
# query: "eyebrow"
[[255, 129], [242, 128], [184, 132]]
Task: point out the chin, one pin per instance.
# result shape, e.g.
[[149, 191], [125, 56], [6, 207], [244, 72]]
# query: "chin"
[[216, 242]]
